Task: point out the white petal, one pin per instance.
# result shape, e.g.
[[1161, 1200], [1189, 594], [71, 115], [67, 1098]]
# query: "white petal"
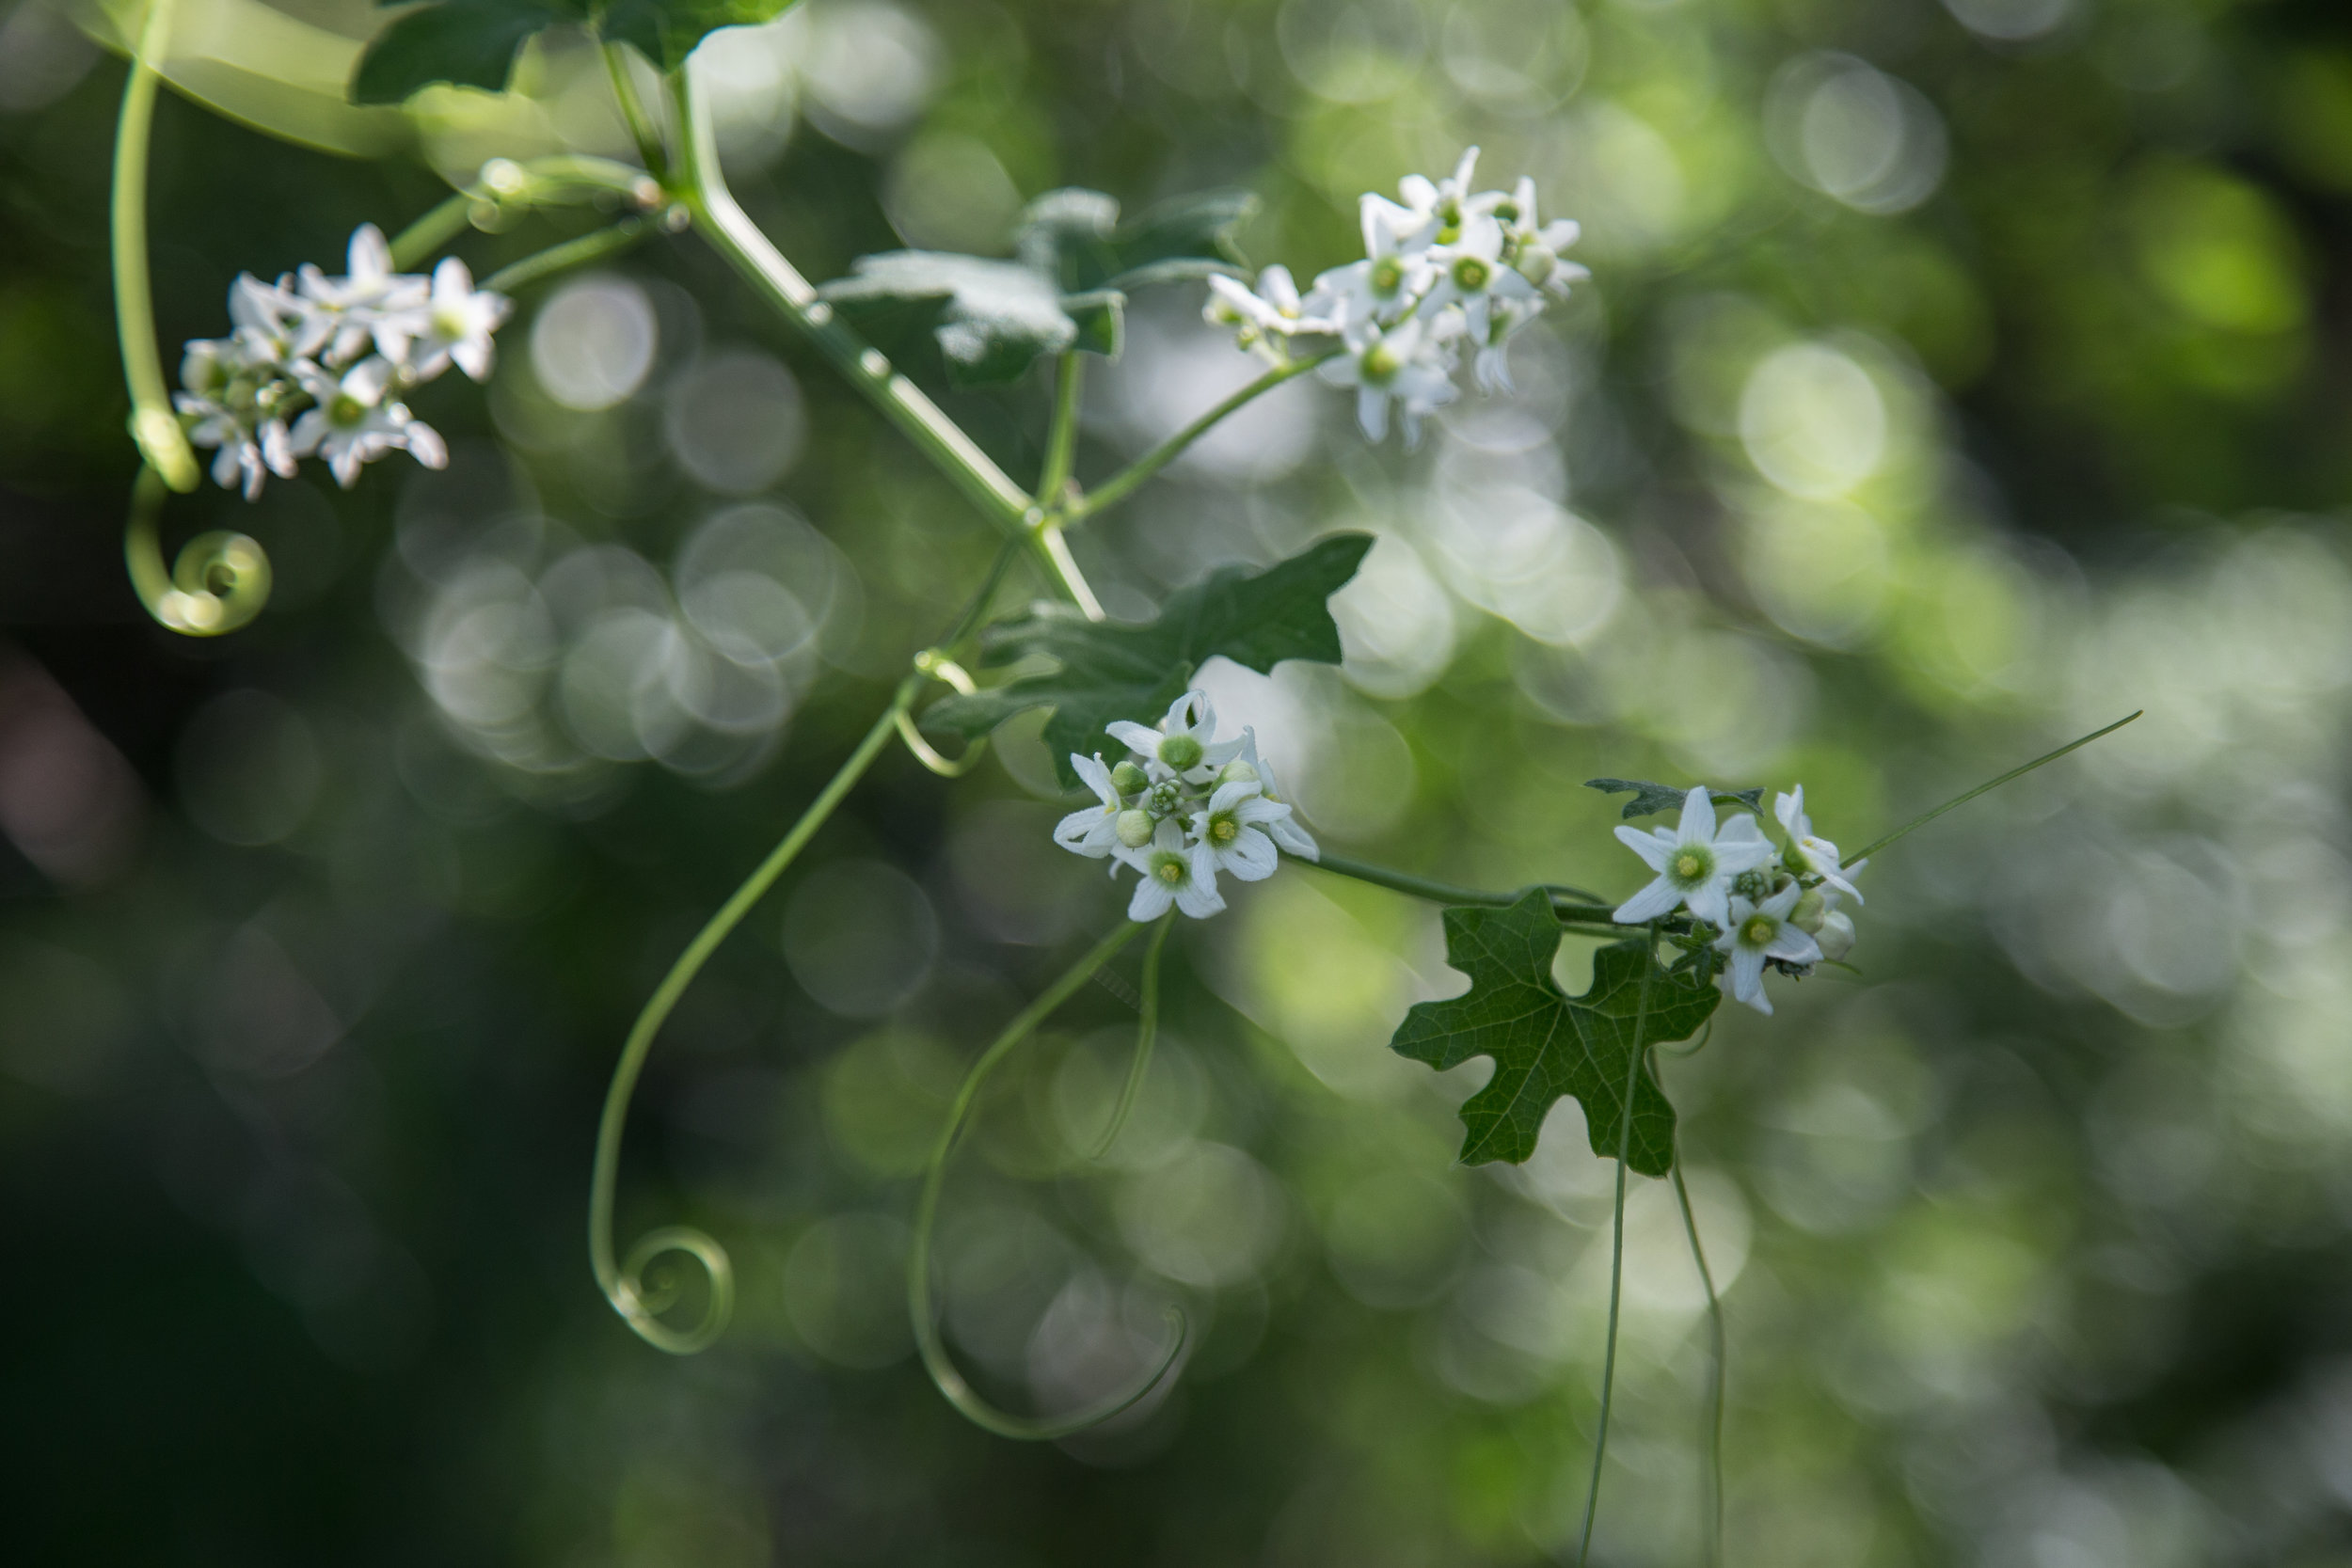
[[1709, 903], [1251, 856], [1096, 775], [1747, 975], [1648, 904], [1794, 945], [1076, 832], [1732, 856], [1781, 903], [1648, 847], [1790, 807], [1151, 899], [1294, 839], [1698, 817], [1136, 738]]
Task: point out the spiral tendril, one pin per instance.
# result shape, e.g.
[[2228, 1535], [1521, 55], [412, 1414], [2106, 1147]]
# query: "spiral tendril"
[[1147, 1034], [920, 1306], [218, 582]]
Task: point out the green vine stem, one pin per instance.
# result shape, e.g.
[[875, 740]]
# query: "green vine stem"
[[731, 231], [1570, 903], [1711, 1484], [1616, 1249], [920, 1306], [505, 186], [218, 582], [591, 246], [1918, 822], [153, 425], [1119, 485], [1061, 437], [642, 129], [1147, 1034]]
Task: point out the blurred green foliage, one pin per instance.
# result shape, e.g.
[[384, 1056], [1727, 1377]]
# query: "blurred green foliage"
[[1956, 376]]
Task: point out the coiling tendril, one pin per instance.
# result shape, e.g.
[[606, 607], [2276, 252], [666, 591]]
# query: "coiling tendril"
[[930, 661], [1147, 1033], [920, 1306], [218, 582]]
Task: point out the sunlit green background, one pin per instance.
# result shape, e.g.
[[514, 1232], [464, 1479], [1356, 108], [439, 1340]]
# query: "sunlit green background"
[[1956, 376]]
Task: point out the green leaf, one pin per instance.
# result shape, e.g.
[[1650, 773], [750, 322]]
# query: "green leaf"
[[1109, 669], [1074, 237], [991, 319], [1547, 1044], [1650, 798], [469, 43], [666, 31]]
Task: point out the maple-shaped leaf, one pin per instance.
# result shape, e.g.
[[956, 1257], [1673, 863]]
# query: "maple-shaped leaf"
[[1651, 798], [1111, 670], [1546, 1043]]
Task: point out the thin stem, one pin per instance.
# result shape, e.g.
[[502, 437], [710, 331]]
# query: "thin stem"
[[623, 1288], [1713, 1483], [1918, 822], [1062, 438], [1616, 1246], [1116, 489], [733, 234], [507, 185], [1571, 903], [919, 1303], [1147, 1033], [642, 129], [153, 425], [218, 582], [578, 251]]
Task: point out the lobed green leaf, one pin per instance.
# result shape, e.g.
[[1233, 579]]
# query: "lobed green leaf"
[[1107, 669], [1545, 1044], [473, 43], [1650, 798]]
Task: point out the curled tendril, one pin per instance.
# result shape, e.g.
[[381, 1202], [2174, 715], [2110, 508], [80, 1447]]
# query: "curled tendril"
[[920, 1306], [642, 1304], [1147, 1033], [218, 582], [939, 667]]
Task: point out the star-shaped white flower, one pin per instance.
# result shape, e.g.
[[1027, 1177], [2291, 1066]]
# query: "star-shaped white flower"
[[1533, 247], [1817, 855], [1434, 212], [1695, 863], [1411, 365], [1492, 367], [1092, 831], [1473, 277], [1184, 746], [354, 422], [1360, 297], [1230, 831], [452, 325], [1288, 832], [1173, 873], [1273, 310], [364, 299], [1761, 931]]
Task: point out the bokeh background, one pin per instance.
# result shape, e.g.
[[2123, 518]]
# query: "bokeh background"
[[1956, 377]]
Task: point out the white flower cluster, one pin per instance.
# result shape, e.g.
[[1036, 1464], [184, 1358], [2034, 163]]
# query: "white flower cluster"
[[1765, 906], [1444, 268], [315, 365], [1184, 808]]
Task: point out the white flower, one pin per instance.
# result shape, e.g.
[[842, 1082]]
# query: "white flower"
[[1288, 832], [1228, 831], [1092, 831], [1492, 368], [1411, 365], [1759, 931], [453, 325], [364, 299], [1273, 310], [1178, 749], [1172, 873], [231, 404], [1533, 249], [1359, 299], [1471, 275], [1435, 211], [355, 423], [272, 326], [1695, 863], [1817, 855]]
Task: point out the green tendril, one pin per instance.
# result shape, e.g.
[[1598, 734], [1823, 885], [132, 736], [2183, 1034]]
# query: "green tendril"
[[591, 246], [1572, 904], [1617, 1248], [1147, 1034], [1918, 822], [153, 425], [1119, 485], [1711, 1475], [920, 1306], [218, 582]]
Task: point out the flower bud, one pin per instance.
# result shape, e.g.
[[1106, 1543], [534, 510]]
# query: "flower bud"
[[1237, 771], [1836, 937], [1808, 915], [1129, 780], [1134, 828], [1181, 752]]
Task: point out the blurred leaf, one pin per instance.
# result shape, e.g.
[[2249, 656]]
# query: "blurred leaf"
[[1109, 671], [666, 31], [1650, 798], [470, 43], [1074, 237], [1545, 1044], [991, 319]]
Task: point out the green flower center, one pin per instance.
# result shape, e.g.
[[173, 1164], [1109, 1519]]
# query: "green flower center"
[[1758, 929], [1224, 829], [1388, 276], [1181, 752], [1469, 273], [345, 409], [1168, 869], [1691, 866], [1380, 364], [449, 323]]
